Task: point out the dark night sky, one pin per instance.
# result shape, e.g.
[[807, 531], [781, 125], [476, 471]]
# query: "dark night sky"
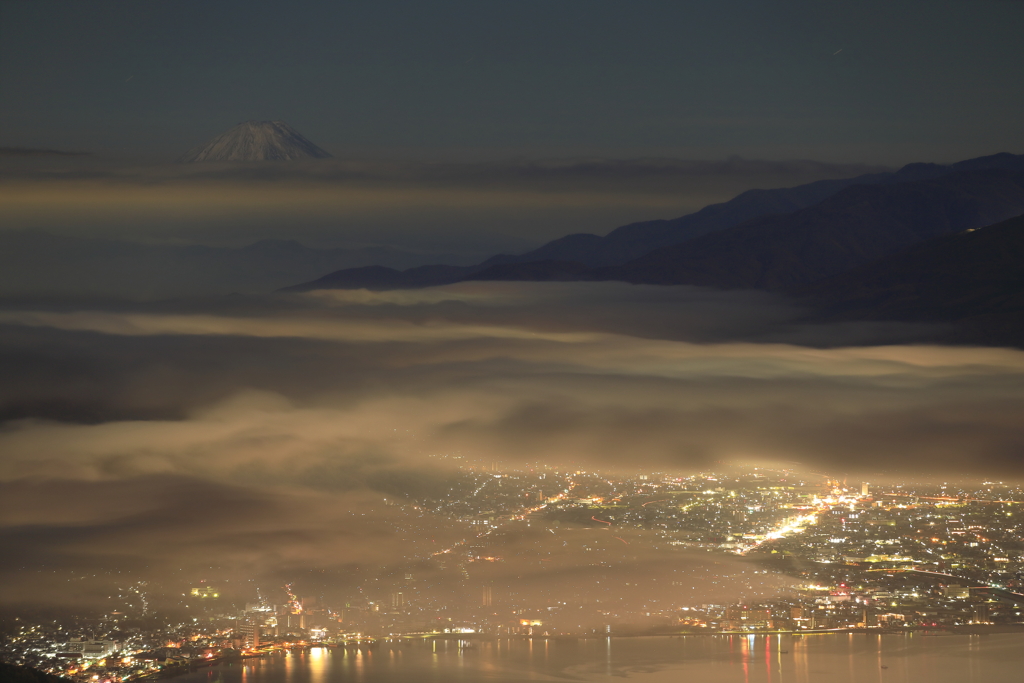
[[867, 81]]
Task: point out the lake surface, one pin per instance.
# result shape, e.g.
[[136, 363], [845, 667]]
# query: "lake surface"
[[845, 658]]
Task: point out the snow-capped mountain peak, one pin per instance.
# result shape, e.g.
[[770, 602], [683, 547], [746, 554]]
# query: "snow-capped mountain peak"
[[256, 141]]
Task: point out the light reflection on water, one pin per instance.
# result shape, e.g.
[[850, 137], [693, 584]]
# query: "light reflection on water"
[[844, 658]]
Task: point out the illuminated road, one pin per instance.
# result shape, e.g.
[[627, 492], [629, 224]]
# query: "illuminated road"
[[789, 527], [951, 499], [514, 517]]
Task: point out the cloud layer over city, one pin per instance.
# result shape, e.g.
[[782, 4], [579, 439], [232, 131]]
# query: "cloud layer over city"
[[222, 428]]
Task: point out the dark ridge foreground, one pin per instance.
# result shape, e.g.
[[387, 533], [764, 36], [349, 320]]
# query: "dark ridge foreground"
[[10, 673], [974, 279]]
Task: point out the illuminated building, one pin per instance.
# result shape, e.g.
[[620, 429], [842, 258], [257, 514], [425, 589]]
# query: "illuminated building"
[[527, 625], [250, 632], [92, 649]]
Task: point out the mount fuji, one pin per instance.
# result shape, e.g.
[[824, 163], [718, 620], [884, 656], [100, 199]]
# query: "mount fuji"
[[256, 141]]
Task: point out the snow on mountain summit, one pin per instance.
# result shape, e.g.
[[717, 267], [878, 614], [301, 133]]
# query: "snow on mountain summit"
[[256, 141]]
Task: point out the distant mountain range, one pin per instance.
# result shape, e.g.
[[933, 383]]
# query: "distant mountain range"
[[841, 238], [761, 238], [973, 278], [34, 263], [855, 226], [907, 245], [256, 141], [636, 239]]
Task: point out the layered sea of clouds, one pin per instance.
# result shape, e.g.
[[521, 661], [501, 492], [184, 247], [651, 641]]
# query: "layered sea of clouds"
[[263, 435]]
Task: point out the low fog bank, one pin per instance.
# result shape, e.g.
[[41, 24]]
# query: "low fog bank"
[[271, 437], [525, 372], [471, 210]]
